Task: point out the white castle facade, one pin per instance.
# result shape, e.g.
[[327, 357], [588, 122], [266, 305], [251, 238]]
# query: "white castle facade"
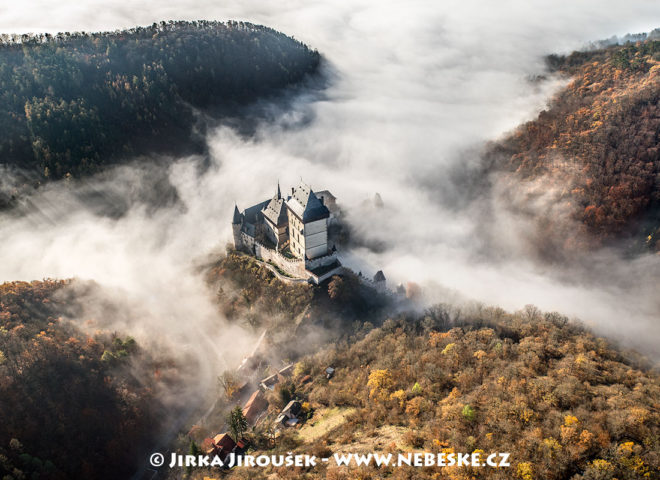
[[290, 233]]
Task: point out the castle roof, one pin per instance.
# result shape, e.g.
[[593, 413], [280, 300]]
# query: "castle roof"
[[275, 211], [251, 217], [379, 277], [237, 216], [306, 205], [326, 194]]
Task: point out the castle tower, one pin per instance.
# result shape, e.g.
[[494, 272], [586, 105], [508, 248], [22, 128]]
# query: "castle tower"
[[236, 224], [308, 223], [275, 219]]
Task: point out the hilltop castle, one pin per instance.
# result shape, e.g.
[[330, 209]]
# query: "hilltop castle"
[[291, 233]]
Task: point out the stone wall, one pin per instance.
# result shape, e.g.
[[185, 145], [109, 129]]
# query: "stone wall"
[[321, 278], [294, 267], [246, 241], [378, 286], [321, 261]]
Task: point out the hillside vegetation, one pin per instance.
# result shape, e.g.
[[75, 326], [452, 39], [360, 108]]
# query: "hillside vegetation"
[[249, 293], [564, 403], [70, 405], [595, 147], [72, 102]]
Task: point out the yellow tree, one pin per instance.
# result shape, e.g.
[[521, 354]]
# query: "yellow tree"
[[380, 383]]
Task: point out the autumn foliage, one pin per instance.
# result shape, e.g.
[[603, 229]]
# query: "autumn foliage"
[[565, 403], [596, 146], [68, 408]]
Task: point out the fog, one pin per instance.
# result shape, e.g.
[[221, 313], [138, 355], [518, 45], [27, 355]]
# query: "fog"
[[415, 88]]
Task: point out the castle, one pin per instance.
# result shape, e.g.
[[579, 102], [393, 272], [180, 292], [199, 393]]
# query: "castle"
[[291, 233]]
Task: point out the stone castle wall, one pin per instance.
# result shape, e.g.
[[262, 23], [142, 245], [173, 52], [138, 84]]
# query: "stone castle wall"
[[292, 266], [295, 267], [321, 261]]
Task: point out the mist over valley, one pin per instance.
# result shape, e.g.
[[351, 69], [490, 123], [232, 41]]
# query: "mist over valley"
[[503, 189]]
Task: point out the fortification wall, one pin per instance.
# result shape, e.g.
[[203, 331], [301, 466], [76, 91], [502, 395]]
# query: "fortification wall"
[[294, 267], [378, 286], [321, 261], [321, 278], [246, 241]]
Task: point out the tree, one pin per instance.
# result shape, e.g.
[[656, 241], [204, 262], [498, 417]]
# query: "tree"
[[71, 103], [468, 413], [238, 424], [335, 287], [195, 451], [380, 382], [229, 384], [286, 391]]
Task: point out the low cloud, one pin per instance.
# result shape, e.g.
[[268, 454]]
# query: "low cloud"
[[416, 89]]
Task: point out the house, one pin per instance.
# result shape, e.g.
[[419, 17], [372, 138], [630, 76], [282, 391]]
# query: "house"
[[224, 443], [255, 405], [291, 232], [269, 382], [207, 446], [221, 445], [288, 417]]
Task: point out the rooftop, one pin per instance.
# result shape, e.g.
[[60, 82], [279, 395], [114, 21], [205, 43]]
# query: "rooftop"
[[306, 205], [275, 211]]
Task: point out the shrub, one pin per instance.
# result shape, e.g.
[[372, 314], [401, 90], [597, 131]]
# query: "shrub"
[[468, 413]]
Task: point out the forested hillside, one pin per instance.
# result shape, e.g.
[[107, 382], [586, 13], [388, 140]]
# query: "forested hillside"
[[563, 402], [250, 294], [70, 406], [596, 146], [72, 102]]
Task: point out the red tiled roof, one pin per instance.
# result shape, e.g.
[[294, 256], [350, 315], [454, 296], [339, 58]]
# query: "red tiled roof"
[[208, 446], [252, 399], [224, 442], [254, 406]]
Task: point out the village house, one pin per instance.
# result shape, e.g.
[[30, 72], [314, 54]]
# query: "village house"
[[256, 404], [269, 382], [288, 417], [221, 445]]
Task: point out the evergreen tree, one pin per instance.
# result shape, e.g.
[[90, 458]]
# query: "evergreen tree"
[[238, 424]]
